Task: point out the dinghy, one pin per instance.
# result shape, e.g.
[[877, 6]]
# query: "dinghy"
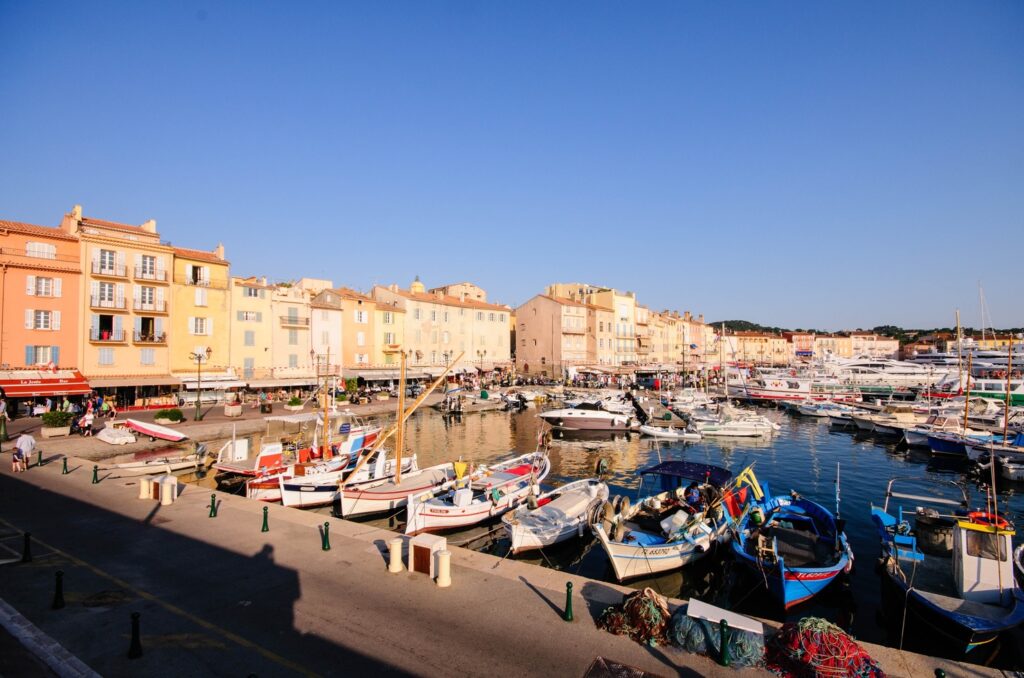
[[154, 431], [160, 463], [669, 433], [561, 514]]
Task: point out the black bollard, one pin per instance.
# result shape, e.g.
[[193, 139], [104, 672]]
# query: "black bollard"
[[213, 506], [26, 551], [64, 468], [135, 649], [95, 474], [724, 656], [568, 602], [58, 594], [266, 525], [939, 673], [326, 540]]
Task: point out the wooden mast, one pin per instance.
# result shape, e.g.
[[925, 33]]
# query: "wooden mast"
[[400, 433], [327, 415], [967, 391]]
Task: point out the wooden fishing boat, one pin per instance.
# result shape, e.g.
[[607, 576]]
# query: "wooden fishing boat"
[[309, 487], [380, 496], [793, 544], [559, 515], [149, 463], [942, 572], [154, 431], [487, 493]]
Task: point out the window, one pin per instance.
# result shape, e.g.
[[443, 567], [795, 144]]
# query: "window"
[[43, 287], [325, 315], [106, 291], [107, 259], [147, 266], [445, 337], [363, 358], [325, 337], [41, 250], [433, 337], [416, 314], [250, 292], [200, 326], [986, 545], [433, 357], [293, 360], [490, 316], [361, 316], [479, 315], [388, 317], [147, 295], [501, 317], [293, 337], [106, 356], [250, 316], [250, 338], [40, 355], [360, 338], [446, 316], [41, 320], [433, 315], [147, 356], [389, 337], [200, 296], [248, 367]]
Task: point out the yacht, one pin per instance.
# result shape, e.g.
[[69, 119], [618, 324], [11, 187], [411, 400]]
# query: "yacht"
[[884, 372]]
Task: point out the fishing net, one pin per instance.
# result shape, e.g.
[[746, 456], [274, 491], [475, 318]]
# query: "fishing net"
[[643, 616], [814, 647], [704, 637]]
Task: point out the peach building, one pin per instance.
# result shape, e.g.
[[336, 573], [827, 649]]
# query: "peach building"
[[552, 336]]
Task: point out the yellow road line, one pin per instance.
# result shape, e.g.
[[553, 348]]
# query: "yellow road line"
[[174, 609]]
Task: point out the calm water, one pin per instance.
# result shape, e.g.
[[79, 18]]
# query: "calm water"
[[802, 456]]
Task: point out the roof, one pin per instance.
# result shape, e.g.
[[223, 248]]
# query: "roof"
[[428, 298], [690, 471], [565, 301], [103, 223], [200, 255], [32, 229], [349, 293]]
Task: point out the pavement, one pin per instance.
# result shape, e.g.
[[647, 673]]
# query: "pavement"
[[217, 596]]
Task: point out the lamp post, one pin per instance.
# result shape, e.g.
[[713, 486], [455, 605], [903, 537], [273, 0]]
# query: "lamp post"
[[199, 357], [480, 353]]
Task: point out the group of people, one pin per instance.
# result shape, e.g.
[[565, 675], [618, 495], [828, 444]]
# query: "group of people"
[[92, 408]]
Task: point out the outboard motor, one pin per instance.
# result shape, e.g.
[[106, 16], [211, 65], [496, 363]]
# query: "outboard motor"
[[641, 413]]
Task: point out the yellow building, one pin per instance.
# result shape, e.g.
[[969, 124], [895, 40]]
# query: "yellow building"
[[600, 335], [835, 345], [251, 330], [291, 344], [201, 321], [126, 305], [389, 328]]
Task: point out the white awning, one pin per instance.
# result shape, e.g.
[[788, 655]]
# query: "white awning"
[[281, 383], [213, 384]]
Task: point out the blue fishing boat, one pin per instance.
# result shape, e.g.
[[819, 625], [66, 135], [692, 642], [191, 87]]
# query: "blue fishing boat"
[[795, 545], [947, 571]]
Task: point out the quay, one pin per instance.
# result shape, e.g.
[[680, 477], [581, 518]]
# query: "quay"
[[219, 597]]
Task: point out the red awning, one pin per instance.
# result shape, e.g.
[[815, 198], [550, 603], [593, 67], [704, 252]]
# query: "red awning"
[[32, 383]]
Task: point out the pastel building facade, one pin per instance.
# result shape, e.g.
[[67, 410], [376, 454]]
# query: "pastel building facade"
[[251, 331], [201, 319], [552, 336]]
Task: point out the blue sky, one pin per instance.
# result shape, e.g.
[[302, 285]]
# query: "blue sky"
[[793, 163]]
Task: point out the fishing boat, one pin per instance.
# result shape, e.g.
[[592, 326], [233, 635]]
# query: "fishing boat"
[[559, 515], [587, 416], [669, 433], [162, 462], [948, 573], [795, 545], [941, 423], [319, 485], [385, 495], [154, 431], [485, 494], [891, 417], [1018, 562], [668, 529], [789, 387]]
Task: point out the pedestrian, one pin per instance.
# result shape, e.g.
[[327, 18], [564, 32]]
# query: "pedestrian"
[[22, 451], [86, 423]]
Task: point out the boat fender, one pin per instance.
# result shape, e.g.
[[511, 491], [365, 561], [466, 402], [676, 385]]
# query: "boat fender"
[[616, 501], [624, 506], [601, 467], [531, 501]]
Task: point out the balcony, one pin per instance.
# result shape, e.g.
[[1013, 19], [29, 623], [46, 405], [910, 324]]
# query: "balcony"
[[149, 338], [573, 330], [109, 270], [141, 273], [106, 336], [150, 306], [96, 301], [201, 282], [294, 321]]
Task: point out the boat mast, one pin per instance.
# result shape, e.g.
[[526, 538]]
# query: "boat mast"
[[721, 365], [327, 414], [959, 352], [967, 391], [1009, 371], [400, 433]]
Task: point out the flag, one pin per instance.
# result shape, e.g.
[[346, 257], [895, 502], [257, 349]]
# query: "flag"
[[693, 345]]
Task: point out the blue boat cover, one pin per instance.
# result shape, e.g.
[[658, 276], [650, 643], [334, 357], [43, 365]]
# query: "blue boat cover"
[[690, 471]]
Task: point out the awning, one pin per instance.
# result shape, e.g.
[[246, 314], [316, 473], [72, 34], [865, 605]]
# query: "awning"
[[278, 383], [213, 385], [114, 382], [31, 383], [385, 375]]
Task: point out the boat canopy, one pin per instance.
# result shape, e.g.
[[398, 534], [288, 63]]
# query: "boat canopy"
[[690, 471]]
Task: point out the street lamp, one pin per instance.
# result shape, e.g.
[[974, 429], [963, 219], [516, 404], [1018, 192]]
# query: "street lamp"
[[480, 353], [199, 357]]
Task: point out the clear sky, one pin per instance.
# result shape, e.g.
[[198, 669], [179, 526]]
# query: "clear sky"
[[791, 163]]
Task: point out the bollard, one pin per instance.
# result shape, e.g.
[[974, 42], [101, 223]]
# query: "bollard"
[[724, 657], [325, 541], [58, 594], [26, 550], [213, 506], [95, 474], [64, 468], [939, 673], [395, 556], [135, 649], [39, 457], [568, 602], [3, 429], [266, 525], [444, 569]]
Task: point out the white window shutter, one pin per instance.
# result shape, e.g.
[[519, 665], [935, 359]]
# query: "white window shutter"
[[30, 285], [159, 266], [191, 325], [204, 274], [57, 286], [29, 319], [119, 293], [188, 273], [138, 261], [94, 288], [136, 293], [209, 327], [159, 295], [55, 323], [95, 256], [119, 256]]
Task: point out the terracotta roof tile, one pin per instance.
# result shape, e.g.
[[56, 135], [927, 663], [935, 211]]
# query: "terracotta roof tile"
[[32, 229], [103, 223], [565, 301], [201, 255], [349, 293], [450, 301]]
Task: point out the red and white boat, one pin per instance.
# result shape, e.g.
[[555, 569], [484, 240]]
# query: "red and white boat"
[[318, 486], [154, 431], [485, 494], [379, 496]]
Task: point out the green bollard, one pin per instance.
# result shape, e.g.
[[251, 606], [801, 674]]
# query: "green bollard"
[[39, 457], [213, 506], [95, 474], [58, 594], [266, 525], [326, 541], [568, 602], [3, 429], [64, 467], [723, 639], [939, 673]]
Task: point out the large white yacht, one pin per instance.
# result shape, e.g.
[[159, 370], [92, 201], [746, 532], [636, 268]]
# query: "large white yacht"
[[885, 372]]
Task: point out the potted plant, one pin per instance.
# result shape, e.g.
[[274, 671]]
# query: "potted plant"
[[169, 417], [56, 424], [233, 408], [294, 404]]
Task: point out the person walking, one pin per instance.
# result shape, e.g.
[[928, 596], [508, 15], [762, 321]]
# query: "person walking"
[[22, 451], [86, 423]]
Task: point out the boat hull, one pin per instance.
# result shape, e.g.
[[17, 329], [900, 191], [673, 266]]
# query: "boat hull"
[[630, 561]]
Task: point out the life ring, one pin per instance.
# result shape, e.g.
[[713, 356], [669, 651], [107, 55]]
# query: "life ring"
[[985, 518]]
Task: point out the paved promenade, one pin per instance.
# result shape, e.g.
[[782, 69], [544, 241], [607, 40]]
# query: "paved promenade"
[[219, 597]]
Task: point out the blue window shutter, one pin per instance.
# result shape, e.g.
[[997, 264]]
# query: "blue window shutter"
[[30, 356], [55, 355]]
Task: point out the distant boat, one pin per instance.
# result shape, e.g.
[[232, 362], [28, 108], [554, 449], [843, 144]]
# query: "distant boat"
[[155, 431]]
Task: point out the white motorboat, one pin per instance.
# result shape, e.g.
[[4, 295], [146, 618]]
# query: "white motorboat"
[[559, 515], [589, 416], [790, 387], [148, 463], [884, 372], [669, 433], [483, 495], [734, 423], [116, 435], [814, 408], [939, 423]]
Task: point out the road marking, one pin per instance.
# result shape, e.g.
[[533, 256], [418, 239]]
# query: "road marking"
[[174, 609]]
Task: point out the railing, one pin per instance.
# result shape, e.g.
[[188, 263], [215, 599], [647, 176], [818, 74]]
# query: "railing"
[[192, 282], [114, 270], [573, 330], [294, 321], [143, 338], [112, 336], [152, 306], [142, 274], [97, 302]]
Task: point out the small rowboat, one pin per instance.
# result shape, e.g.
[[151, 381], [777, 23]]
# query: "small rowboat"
[[560, 515], [669, 433], [155, 431], [158, 464]]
